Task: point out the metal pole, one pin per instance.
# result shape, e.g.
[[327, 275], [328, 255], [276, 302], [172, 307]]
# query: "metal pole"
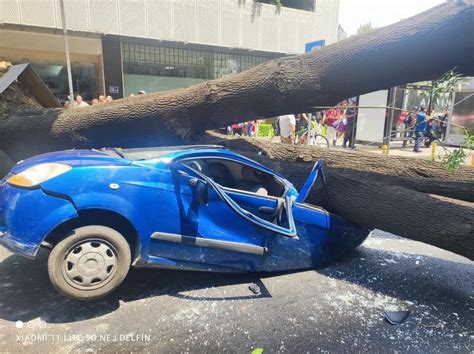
[[353, 130], [390, 121], [308, 136], [68, 59]]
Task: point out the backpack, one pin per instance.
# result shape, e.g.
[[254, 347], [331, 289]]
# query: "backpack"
[[276, 126]]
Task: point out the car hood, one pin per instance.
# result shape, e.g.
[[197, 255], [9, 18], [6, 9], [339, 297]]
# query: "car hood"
[[72, 158]]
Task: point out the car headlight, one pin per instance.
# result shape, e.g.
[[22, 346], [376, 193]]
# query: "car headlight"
[[38, 174]]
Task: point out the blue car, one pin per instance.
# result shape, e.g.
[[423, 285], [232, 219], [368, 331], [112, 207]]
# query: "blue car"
[[200, 208]]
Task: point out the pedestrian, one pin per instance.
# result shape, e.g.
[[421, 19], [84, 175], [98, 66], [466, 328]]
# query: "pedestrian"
[[141, 92], [101, 99], [109, 99], [330, 119], [237, 129], [443, 125], [67, 104], [410, 122], [302, 121], [430, 130], [349, 135], [95, 102], [420, 128], [287, 124], [80, 103], [401, 126]]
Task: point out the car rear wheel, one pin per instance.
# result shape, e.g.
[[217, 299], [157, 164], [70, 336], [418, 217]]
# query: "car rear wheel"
[[90, 263]]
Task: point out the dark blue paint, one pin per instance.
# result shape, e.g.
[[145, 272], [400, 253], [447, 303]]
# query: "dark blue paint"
[[155, 195]]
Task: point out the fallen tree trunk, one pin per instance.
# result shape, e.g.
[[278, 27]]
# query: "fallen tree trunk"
[[404, 196], [410, 199], [396, 54]]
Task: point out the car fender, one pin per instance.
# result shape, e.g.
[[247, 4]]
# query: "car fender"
[[31, 216]]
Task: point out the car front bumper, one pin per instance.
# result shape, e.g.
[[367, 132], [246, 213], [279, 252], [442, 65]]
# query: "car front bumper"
[[27, 216]]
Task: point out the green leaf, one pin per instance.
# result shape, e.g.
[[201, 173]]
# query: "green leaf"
[[257, 351]]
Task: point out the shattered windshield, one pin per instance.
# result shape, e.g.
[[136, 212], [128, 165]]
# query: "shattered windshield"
[[154, 152]]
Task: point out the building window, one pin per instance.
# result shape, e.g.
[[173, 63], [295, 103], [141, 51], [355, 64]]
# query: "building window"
[[139, 59], [305, 5], [84, 79]]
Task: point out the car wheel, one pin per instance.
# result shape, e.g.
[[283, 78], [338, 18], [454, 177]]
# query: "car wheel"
[[90, 263]]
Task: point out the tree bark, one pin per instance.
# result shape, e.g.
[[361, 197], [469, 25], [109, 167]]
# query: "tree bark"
[[404, 196], [396, 54]]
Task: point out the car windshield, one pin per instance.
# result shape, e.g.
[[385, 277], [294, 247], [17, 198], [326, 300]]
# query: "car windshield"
[[154, 152]]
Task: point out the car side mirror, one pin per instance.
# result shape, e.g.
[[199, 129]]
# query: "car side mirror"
[[200, 190]]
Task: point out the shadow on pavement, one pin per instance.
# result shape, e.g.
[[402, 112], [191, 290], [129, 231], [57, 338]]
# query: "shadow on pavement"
[[26, 292]]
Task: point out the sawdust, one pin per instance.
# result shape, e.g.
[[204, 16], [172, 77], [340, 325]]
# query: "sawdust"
[[14, 98]]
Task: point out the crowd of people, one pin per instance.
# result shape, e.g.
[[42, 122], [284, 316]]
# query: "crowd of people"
[[101, 99], [338, 124], [79, 102], [420, 126], [335, 123], [249, 128]]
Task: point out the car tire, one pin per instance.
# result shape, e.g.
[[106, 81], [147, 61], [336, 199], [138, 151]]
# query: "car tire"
[[90, 263]]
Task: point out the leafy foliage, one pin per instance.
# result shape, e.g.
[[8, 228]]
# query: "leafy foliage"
[[365, 28], [455, 158], [442, 89]]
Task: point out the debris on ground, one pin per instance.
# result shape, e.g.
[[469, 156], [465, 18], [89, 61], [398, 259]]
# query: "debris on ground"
[[396, 317], [254, 288]]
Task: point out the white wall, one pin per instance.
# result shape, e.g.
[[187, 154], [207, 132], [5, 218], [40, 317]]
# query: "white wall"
[[229, 23], [371, 121]]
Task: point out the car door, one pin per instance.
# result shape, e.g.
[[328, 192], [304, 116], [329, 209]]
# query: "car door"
[[220, 229]]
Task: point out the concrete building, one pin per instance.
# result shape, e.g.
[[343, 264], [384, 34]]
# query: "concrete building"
[[121, 46]]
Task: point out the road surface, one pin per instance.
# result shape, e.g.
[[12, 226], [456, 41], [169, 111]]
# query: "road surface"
[[337, 308]]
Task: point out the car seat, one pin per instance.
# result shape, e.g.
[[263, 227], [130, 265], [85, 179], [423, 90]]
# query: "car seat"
[[250, 181], [220, 173]]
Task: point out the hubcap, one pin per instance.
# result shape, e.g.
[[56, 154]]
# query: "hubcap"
[[90, 264]]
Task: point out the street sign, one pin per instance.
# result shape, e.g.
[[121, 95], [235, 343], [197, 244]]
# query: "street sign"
[[313, 46], [114, 89]]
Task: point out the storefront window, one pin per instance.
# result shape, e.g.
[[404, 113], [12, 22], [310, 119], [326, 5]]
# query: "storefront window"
[[84, 79], [140, 59]]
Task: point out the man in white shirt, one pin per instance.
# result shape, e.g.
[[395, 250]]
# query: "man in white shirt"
[[80, 102], [287, 125]]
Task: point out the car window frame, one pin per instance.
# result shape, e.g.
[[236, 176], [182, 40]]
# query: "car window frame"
[[286, 184], [250, 217]]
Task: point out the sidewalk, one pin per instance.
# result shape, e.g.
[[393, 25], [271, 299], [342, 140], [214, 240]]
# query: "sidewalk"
[[397, 149]]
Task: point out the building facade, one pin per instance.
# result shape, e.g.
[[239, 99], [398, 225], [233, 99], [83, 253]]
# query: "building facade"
[[121, 46]]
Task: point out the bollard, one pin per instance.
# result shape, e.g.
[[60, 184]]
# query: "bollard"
[[384, 150], [433, 151]]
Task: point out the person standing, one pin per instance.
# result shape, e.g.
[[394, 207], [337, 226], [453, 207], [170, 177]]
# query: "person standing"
[[80, 102], [101, 99], [430, 130], [410, 122], [349, 135], [331, 119], [287, 124], [401, 126], [420, 128], [443, 125]]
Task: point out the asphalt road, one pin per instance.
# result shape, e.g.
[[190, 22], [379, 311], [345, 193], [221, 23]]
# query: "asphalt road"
[[337, 308]]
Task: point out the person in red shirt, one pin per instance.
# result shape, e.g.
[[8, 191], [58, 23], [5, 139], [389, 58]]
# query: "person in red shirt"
[[401, 127], [331, 117]]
